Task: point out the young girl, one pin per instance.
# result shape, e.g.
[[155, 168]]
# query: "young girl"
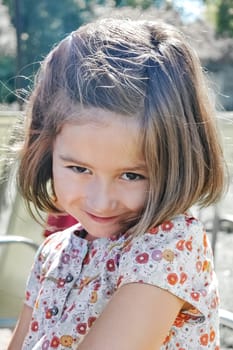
[[121, 136]]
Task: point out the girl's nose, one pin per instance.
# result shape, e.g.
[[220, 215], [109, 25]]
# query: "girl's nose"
[[101, 197]]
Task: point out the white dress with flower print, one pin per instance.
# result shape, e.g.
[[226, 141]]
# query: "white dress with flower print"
[[73, 279]]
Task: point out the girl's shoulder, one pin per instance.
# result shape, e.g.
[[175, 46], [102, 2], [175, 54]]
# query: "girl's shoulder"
[[58, 241], [180, 228]]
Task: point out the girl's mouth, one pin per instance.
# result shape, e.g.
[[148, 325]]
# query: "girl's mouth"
[[102, 219]]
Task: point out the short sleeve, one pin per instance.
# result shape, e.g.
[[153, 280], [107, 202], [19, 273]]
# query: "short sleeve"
[[175, 256], [37, 272]]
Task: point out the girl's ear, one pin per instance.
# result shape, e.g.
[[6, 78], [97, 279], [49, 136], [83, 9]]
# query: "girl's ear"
[[53, 197]]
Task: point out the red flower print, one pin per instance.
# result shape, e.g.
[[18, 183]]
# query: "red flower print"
[[86, 259], [179, 322], [60, 282], [119, 280], [172, 278], [93, 252], [110, 264], [189, 220], [142, 258], [204, 339], [81, 328], [90, 321], [167, 226], [48, 314], [188, 245], [195, 296], [154, 230], [34, 326], [198, 266], [183, 277], [180, 244], [28, 295], [55, 342]]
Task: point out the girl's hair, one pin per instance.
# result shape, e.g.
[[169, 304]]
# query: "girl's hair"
[[140, 69]]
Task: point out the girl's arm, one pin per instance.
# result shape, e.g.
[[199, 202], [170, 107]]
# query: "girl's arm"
[[21, 329], [138, 317]]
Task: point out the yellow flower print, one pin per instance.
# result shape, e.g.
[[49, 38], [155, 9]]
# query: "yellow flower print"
[[66, 340], [168, 255], [94, 297]]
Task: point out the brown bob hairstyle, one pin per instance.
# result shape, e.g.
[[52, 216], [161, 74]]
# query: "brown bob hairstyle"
[[140, 69]]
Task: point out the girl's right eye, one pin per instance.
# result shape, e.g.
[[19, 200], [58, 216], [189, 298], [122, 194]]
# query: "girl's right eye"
[[78, 169]]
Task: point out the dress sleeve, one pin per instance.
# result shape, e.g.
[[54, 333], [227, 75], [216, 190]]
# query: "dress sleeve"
[[177, 257], [36, 274]]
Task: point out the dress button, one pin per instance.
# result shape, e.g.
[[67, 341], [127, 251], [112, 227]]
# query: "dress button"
[[69, 278], [54, 310]]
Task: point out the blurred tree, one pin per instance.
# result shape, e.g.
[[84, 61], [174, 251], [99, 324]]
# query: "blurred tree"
[[39, 25], [220, 12], [225, 18]]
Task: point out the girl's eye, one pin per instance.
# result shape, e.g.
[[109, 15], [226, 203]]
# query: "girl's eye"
[[132, 176], [78, 169]]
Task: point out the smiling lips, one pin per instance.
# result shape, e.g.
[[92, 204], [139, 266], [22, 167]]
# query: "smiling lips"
[[101, 219]]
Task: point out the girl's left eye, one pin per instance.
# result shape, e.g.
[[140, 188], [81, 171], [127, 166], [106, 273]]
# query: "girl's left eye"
[[132, 176], [78, 169]]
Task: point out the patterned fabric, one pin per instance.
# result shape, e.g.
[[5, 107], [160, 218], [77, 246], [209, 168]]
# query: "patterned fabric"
[[73, 279]]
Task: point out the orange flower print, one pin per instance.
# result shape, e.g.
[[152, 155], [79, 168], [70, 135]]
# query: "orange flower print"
[[206, 266], [48, 314], [142, 258], [179, 322], [188, 245], [55, 342], [195, 296], [154, 230], [172, 278], [204, 339], [183, 277], [212, 335], [81, 328], [167, 226], [66, 341], [180, 244], [205, 240]]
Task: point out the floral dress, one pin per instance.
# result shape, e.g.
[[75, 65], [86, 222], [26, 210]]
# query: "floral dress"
[[73, 279]]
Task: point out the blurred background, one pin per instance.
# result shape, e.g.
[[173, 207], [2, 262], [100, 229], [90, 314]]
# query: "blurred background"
[[28, 31]]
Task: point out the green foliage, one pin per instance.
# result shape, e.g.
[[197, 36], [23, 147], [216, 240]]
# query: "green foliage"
[[41, 24], [220, 13], [225, 18], [7, 64]]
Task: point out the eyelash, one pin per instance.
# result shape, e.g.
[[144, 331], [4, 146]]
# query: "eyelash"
[[135, 176], [83, 170], [78, 169]]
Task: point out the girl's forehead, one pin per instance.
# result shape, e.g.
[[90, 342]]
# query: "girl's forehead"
[[101, 117]]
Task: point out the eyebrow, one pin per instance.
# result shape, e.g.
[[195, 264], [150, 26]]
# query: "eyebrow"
[[139, 167]]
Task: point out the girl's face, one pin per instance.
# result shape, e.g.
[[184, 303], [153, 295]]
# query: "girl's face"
[[99, 172]]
